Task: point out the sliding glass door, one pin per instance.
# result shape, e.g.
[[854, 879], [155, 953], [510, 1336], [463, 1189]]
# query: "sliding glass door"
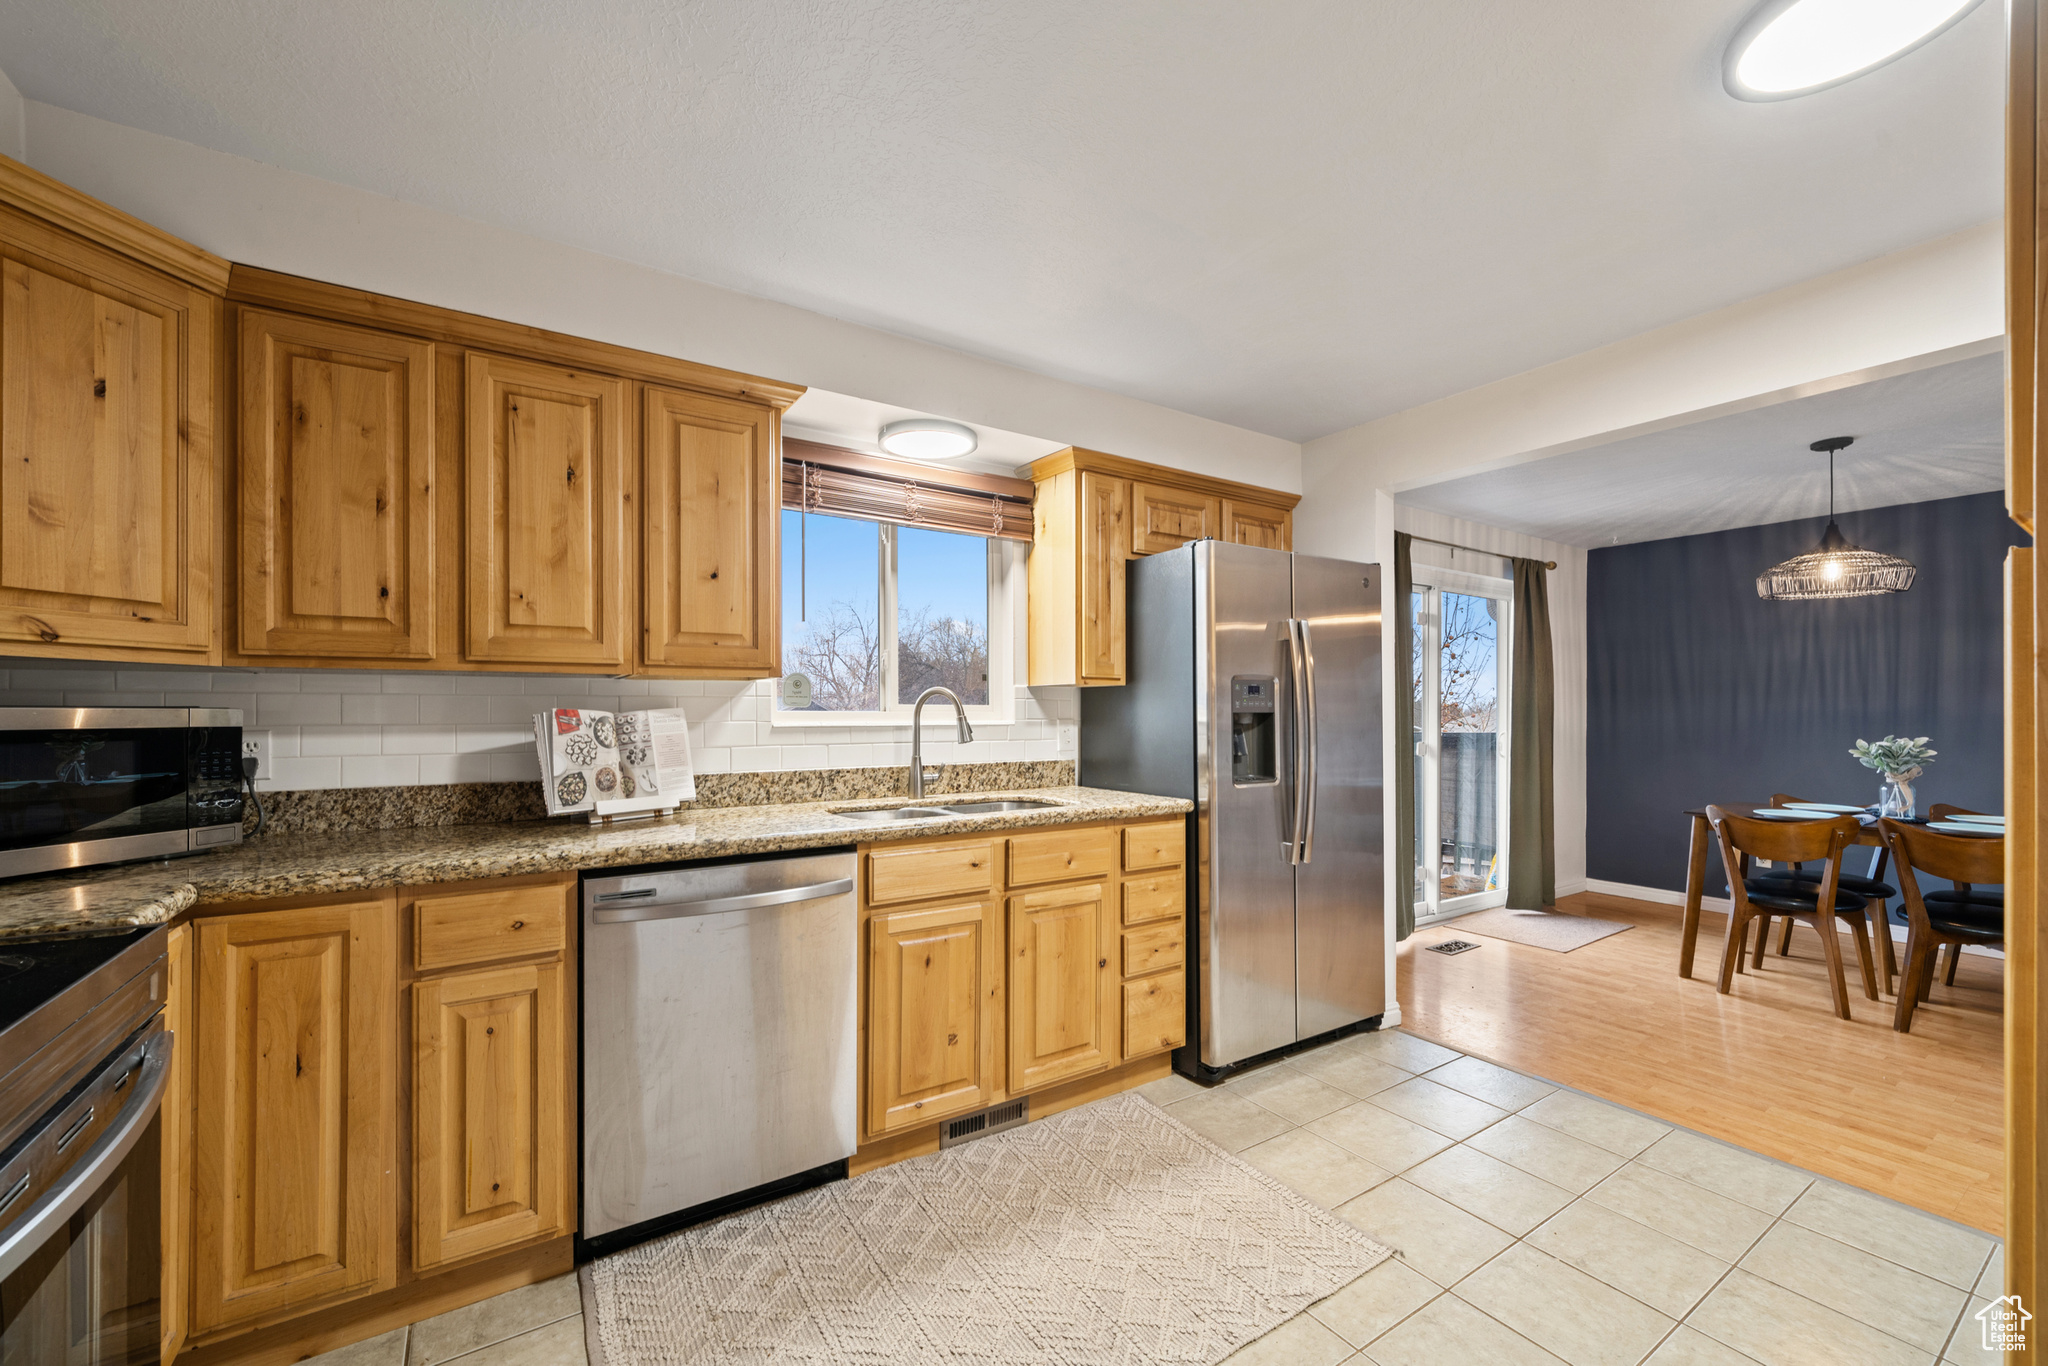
[[1461, 740]]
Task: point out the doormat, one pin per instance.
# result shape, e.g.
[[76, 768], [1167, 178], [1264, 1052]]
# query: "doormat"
[[1107, 1235], [1541, 929], [1451, 946]]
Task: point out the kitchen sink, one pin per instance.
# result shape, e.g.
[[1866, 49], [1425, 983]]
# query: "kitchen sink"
[[990, 808], [895, 813]]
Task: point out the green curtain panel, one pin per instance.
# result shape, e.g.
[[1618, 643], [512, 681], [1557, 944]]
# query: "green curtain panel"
[[1404, 736], [1532, 818]]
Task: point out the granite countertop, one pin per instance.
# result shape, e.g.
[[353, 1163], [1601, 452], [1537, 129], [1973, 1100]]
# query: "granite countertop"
[[113, 899]]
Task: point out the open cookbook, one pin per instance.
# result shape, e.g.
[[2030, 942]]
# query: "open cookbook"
[[613, 763]]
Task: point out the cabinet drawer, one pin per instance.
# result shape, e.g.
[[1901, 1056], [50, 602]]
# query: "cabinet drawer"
[[1155, 1014], [1154, 898], [1057, 855], [1162, 844], [481, 927], [1154, 947], [922, 872]]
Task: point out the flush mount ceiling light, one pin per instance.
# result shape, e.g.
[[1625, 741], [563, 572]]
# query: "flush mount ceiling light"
[[1795, 47], [928, 438], [1835, 568]]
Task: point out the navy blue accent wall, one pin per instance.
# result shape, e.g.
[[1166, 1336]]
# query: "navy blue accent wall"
[[1699, 691]]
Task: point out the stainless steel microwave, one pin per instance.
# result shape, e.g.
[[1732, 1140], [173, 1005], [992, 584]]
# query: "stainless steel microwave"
[[81, 786]]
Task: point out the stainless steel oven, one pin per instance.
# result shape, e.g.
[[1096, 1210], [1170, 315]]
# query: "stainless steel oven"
[[87, 785], [83, 1059]]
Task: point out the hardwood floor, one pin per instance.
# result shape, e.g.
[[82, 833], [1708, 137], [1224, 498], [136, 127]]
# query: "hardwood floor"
[[1918, 1117]]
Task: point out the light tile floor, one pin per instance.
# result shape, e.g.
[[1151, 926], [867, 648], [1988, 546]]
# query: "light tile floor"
[[1532, 1224]]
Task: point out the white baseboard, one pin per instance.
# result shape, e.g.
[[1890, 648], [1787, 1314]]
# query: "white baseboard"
[[1572, 887], [1719, 905], [1392, 1018]]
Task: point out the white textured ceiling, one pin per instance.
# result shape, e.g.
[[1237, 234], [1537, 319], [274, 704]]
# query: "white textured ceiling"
[[1932, 433], [1294, 215]]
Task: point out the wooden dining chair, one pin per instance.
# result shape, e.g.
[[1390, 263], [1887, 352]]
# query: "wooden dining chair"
[[1745, 838], [1968, 861], [1965, 894], [1872, 888]]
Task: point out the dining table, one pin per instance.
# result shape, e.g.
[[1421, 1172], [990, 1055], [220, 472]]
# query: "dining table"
[[1696, 882]]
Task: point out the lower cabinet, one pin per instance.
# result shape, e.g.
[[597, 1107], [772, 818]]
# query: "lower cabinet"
[[1058, 987], [175, 1153], [931, 1017], [304, 1090], [296, 1111], [1020, 963]]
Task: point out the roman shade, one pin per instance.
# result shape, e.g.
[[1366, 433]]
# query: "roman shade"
[[842, 483]]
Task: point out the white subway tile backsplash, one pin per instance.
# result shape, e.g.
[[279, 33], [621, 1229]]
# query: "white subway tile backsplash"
[[330, 728]]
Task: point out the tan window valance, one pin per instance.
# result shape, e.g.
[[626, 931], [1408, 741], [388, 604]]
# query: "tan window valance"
[[843, 483]]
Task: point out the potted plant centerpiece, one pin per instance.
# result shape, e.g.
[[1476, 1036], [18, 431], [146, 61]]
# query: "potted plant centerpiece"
[[1900, 760]]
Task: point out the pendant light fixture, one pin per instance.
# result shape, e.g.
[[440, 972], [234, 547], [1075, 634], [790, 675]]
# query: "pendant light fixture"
[[1835, 568]]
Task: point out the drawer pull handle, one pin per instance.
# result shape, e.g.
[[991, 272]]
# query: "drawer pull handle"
[[14, 1192], [75, 1129]]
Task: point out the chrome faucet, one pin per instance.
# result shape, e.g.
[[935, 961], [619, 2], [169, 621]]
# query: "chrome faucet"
[[917, 734]]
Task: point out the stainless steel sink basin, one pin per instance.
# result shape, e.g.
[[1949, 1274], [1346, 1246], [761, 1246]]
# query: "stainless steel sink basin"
[[895, 813], [990, 808]]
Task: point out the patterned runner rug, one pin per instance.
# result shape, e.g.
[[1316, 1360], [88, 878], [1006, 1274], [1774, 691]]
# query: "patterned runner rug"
[[1109, 1233], [1538, 929]]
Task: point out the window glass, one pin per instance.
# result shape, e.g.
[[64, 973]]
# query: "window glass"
[[941, 614], [832, 610]]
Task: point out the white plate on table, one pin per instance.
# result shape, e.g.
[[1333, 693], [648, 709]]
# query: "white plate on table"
[[1787, 813], [1984, 832], [1834, 807], [1961, 819]]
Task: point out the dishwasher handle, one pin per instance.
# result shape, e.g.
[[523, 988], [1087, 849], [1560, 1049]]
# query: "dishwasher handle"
[[616, 907]]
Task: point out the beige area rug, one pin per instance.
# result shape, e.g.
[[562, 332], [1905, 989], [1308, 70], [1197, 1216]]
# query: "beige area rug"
[[1538, 929], [1109, 1233]]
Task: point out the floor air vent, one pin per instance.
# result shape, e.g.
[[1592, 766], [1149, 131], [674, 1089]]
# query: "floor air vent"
[[1451, 946], [993, 1120]]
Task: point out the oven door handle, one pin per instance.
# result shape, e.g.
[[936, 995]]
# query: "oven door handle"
[[107, 1152]]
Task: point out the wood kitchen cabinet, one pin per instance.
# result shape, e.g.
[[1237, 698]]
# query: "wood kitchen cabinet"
[[337, 489], [175, 1152], [107, 478], [1061, 1023], [493, 1153], [545, 463], [1093, 513], [297, 1108], [711, 516], [1067, 964]]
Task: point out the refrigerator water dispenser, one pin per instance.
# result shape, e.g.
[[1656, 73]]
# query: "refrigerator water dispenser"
[[1252, 744]]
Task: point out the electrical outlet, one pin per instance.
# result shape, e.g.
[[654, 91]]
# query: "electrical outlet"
[[256, 745], [1067, 734]]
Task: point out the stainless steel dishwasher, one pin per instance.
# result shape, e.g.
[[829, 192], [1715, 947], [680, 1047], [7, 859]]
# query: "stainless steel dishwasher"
[[719, 1039]]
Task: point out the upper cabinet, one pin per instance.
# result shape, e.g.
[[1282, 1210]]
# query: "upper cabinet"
[[546, 469], [108, 333], [337, 486], [710, 503], [1095, 512], [439, 490]]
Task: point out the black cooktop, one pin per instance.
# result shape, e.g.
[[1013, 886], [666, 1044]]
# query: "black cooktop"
[[32, 971]]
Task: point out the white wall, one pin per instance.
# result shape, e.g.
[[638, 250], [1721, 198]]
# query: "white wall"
[[1934, 297], [13, 121], [337, 728], [264, 216]]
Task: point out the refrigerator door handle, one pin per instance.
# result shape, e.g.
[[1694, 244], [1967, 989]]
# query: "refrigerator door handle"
[[1312, 745], [1298, 813]]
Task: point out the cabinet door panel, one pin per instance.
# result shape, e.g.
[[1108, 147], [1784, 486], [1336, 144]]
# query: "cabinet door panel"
[[930, 1034], [1058, 975], [296, 1111], [176, 1195], [1105, 525], [711, 534], [106, 459], [546, 527], [1258, 524], [1163, 517], [1155, 1014], [491, 1139], [337, 477]]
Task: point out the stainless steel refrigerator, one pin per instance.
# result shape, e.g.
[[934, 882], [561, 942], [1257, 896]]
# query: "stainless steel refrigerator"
[[1253, 687]]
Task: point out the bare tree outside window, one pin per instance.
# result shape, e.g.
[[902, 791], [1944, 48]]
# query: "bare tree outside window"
[[841, 652], [944, 652]]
